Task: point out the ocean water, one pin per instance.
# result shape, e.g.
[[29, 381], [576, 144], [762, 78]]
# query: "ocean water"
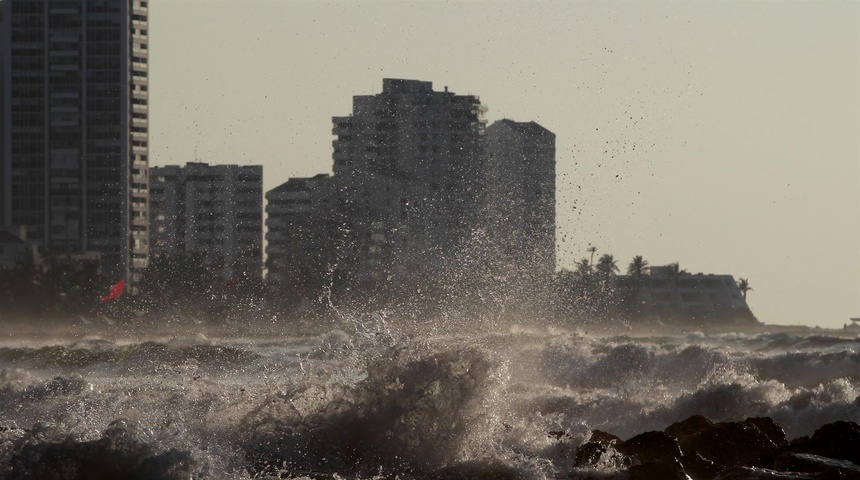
[[369, 400]]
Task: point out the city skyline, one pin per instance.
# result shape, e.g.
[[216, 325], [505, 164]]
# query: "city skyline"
[[743, 117], [721, 136], [421, 199]]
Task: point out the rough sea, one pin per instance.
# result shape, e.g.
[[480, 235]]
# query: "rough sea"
[[369, 400]]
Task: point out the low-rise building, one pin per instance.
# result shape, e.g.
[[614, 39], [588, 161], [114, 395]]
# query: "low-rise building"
[[699, 295]]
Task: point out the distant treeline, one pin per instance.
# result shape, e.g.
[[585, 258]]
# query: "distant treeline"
[[182, 286], [178, 286]]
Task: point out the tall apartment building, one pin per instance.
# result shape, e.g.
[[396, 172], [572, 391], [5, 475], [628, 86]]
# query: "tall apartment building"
[[519, 197], [300, 248], [407, 166], [212, 210], [74, 150]]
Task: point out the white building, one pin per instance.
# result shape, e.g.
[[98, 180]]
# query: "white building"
[[212, 210]]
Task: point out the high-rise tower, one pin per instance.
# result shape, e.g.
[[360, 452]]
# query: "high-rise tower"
[[519, 196], [407, 167], [75, 127]]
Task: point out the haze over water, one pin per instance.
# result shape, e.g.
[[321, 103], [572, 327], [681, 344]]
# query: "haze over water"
[[719, 135], [379, 400]]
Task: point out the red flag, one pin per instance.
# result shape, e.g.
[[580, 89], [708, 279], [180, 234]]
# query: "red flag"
[[115, 291]]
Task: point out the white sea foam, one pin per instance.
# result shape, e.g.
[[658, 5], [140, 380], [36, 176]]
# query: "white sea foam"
[[370, 397]]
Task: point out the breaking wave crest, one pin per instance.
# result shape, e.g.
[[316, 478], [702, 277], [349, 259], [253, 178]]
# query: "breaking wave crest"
[[413, 412], [370, 400]]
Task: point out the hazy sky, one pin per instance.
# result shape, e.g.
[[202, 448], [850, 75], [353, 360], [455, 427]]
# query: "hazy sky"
[[722, 135]]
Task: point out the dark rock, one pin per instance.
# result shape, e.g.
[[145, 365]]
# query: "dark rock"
[[651, 447], [603, 438], [664, 470], [808, 463], [589, 452], [731, 444], [770, 428], [753, 473], [699, 467], [475, 470], [689, 427], [839, 440]]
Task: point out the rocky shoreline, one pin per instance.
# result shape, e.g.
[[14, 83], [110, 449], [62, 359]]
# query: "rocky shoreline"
[[755, 448]]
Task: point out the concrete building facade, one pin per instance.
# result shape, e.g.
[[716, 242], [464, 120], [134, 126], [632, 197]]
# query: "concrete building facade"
[[302, 240], [407, 170], [715, 296], [519, 197], [74, 149], [212, 210], [14, 247], [300, 231]]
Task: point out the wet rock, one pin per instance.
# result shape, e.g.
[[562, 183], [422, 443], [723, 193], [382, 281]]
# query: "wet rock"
[[770, 428], [476, 470], [808, 463], [753, 473], [699, 467], [664, 470], [689, 427], [651, 447], [731, 444], [839, 440], [589, 453]]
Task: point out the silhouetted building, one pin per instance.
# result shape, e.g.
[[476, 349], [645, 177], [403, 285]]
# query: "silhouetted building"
[[407, 170], [300, 248], [75, 128], [519, 198], [694, 295], [14, 246], [215, 211], [406, 212]]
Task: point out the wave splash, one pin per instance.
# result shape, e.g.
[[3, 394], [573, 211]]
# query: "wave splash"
[[413, 412], [377, 402]]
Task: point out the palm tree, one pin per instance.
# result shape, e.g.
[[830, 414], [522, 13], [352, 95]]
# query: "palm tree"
[[601, 288], [607, 265], [583, 267], [638, 267], [673, 271], [592, 249], [744, 287]]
